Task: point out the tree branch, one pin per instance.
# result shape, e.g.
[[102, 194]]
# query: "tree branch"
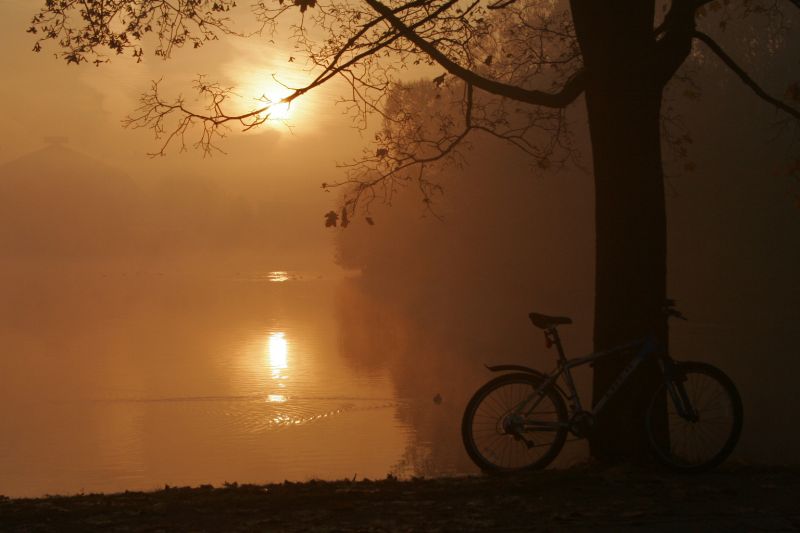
[[717, 49], [332, 69], [676, 44], [569, 92], [154, 110], [501, 4]]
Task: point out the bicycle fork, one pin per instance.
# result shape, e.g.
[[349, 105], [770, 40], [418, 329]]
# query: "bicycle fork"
[[674, 381]]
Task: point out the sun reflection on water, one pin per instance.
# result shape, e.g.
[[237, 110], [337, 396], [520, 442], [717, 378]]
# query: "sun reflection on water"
[[278, 353], [279, 276], [278, 362], [276, 398]]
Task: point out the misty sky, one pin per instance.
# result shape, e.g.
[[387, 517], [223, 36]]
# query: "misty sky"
[[87, 103], [46, 98]]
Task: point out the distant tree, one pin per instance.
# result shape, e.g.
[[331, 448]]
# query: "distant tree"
[[517, 65]]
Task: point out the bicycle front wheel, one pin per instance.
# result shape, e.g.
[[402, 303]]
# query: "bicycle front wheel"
[[704, 418], [509, 426]]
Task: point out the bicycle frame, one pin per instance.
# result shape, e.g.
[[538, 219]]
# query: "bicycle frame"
[[646, 347], [523, 409]]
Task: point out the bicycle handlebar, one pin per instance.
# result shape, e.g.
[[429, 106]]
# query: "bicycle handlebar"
[[669, 310]]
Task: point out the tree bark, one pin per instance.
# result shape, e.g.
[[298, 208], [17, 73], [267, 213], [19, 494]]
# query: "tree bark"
[[630, 268], [623, 100]]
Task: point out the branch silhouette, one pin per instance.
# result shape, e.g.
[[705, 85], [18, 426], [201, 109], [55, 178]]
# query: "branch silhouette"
[[571, 90], [746, 78]]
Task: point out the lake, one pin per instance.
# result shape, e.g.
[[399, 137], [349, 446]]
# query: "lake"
[[130, 381], [113, 381]]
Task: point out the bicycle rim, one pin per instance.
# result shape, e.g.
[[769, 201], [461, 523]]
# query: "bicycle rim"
[[696, 444]]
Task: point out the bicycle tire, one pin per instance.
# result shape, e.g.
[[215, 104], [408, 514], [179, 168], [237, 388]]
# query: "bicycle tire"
[[714, 397], [482, 427]]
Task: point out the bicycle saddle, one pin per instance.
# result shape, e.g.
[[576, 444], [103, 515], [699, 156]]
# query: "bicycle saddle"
[[546, 321]]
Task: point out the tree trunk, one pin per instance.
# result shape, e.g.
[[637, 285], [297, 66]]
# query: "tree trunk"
[[623, 99], [630, 275]]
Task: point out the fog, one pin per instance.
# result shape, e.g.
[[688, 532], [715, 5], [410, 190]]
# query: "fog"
[[59, 206], [422, 299], [445, 292]]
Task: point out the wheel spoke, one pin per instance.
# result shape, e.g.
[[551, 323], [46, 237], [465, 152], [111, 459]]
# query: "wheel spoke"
[[496, 430], [705, 441]]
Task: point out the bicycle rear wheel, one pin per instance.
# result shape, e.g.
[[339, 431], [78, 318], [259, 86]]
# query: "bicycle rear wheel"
[[499, 439], [703, 436]]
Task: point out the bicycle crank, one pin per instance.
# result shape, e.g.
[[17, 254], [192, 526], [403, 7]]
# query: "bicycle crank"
[[581, 424]]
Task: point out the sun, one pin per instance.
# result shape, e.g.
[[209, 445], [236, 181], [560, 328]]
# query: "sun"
[[262, 80], [276, 110], [280, 111]]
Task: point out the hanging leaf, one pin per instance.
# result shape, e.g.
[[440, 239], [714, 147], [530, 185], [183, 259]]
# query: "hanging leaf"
[[305, 4], [330, 219]]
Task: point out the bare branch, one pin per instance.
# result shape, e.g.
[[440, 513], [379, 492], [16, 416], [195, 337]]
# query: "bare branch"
[[500, 4], [172, 120], [570, 91], [155, 112], [750, 82]]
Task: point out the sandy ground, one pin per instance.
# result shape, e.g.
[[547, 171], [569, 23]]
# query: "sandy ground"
[[585, 498]]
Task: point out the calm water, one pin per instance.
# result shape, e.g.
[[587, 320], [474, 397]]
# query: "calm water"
[[112, 382], [132, 381]]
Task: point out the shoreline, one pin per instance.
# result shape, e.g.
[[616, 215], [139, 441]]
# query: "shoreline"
[[619, 498]]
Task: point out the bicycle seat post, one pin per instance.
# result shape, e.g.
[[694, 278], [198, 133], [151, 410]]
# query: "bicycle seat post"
[[552, 337]]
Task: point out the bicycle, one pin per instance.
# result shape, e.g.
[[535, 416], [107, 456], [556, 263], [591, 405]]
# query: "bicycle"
[[520, 421]]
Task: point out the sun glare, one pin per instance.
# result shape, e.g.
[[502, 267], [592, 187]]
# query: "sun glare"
[[278, 351], [276, 110], [280, 111], [277, 362], [263, 78]]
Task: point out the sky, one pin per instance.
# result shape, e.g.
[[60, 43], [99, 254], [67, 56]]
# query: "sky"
[[85, 104]]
